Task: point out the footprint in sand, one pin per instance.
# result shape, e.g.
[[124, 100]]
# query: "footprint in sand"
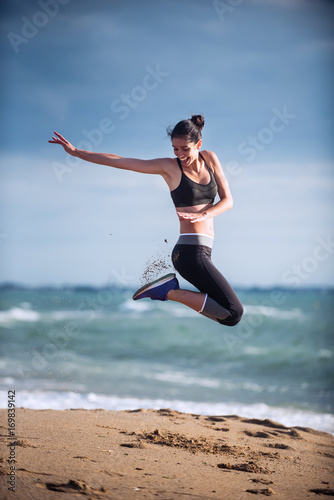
[[264, 491], [140, 444], [216, 419], [252, 467], [34, 472], [265, 423], [79, 486], [292, 433], [85, 458], [279, 428], [280, 446], [258, 434], [262, 481], [25, 443], [323, 491]]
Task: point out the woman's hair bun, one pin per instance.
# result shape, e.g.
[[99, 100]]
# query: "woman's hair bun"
[[190, 129], [198, 120]]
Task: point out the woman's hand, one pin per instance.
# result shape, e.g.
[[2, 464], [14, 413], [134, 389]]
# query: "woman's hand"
[[59, 139], [192, 217]]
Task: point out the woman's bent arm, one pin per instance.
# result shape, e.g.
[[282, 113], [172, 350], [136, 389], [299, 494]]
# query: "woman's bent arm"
[[157, 166], [226, 201]]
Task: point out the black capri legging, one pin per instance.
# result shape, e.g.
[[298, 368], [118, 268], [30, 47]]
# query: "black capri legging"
[[191, 258]]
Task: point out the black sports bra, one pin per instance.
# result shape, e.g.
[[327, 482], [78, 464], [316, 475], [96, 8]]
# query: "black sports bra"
[[190, 193]]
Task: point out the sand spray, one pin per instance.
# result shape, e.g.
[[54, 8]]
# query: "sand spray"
[[158, 264]]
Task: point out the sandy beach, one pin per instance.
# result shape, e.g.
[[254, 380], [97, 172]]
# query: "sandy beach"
[[161, 454]]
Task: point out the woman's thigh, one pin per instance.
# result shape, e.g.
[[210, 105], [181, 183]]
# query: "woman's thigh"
[[194, 264]]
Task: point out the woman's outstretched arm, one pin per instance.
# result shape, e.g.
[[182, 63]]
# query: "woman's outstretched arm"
[[157, 166]]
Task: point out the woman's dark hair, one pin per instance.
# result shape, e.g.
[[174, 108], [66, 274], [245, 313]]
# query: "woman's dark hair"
[[189, 129]]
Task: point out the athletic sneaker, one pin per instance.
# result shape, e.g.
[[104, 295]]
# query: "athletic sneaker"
[[158, 289]]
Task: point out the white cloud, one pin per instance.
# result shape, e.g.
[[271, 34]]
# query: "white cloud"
[[101, 218]]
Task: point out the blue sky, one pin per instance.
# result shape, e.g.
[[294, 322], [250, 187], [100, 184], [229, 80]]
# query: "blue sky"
[[111, 76]]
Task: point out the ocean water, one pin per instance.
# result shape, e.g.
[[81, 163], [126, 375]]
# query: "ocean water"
[[97, 348]]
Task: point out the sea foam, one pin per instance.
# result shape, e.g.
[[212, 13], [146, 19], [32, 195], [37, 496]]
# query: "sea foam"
[[72, 400]]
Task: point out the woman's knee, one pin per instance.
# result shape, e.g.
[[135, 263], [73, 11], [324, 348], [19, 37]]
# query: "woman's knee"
[[238, 313], [234, 318]]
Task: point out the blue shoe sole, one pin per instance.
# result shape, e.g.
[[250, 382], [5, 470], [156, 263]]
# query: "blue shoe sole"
[[153, 284]]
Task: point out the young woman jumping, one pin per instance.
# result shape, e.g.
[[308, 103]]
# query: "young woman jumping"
[[194, 179]]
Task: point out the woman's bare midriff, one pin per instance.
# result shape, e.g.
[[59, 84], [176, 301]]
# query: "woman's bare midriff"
[[203, 227]]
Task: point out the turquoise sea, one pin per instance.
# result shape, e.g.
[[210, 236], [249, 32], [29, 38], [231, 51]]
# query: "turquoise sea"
[[84, 347]]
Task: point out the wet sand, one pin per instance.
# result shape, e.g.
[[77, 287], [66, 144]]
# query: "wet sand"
[[161, 454]]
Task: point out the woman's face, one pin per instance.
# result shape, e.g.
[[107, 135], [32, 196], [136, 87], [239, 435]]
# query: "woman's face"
[[187, 152]]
